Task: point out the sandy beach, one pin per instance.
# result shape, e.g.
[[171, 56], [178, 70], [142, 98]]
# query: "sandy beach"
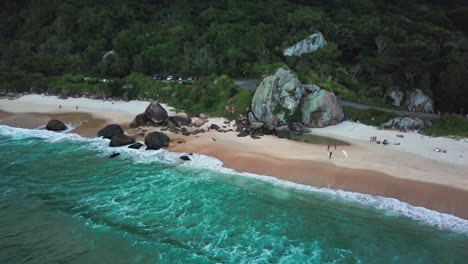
[[411, 172]]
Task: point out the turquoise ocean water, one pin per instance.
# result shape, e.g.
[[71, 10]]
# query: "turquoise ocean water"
[[63, 201]]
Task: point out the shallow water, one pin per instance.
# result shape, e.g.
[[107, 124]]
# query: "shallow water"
[[63, 201]]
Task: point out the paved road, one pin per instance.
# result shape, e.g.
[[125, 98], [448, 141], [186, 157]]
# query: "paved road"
[[247, 84], [251, 84], [397, 112]]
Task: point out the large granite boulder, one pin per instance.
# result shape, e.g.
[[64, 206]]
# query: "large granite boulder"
[[395, 98], [55, 125], [156, 113], [277, 95], [110, 130], [406, 123], [321, 109], [156, 140], [420, 102], [308, 45], [181, 119], [121, 140]]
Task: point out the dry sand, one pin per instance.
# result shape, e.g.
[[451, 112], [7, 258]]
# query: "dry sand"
[[410, 172], [112, 111]]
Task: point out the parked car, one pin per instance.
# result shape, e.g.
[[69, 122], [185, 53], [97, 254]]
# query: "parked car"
[[190, 78], [170, 78], [180, 78]]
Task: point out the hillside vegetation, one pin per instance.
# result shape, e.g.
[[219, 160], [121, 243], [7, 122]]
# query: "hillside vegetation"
[[374, 46]]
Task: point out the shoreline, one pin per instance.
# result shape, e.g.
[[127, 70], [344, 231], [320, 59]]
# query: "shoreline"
[[417, 180]]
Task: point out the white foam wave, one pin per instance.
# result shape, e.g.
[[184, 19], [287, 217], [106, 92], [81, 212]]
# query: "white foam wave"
[[388, 206]]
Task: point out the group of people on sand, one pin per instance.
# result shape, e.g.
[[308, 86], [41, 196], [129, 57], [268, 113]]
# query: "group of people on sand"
[[373, 139]]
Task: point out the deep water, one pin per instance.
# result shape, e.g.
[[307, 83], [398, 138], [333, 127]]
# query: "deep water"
[[62, 200]]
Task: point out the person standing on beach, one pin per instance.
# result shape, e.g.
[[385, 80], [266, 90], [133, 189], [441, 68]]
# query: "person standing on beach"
[[76, 107], [328, 148], [60, 106], [329, 155], [335, 146]]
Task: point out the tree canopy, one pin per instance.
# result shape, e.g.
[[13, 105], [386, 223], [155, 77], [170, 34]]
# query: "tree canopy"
[[374, 46]]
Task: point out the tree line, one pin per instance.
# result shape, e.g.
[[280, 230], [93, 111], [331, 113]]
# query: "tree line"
[[374, 46]]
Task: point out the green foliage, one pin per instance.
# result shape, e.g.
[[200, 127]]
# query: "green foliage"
[[211, 95], [371, 116], [449, 125], [373, 46]]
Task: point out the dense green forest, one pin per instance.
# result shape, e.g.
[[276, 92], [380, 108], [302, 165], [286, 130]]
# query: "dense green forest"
[[374, 46]]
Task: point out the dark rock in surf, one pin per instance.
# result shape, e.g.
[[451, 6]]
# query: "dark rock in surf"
[[55, 125], [184, 157], [115, 154], [121, 140], [136, 145], [110, 130], [156, 140]]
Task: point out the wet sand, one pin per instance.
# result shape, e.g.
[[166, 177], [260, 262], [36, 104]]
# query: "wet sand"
[[86, 125]]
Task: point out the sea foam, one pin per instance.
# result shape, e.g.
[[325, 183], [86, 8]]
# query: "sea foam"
[[388, 206]]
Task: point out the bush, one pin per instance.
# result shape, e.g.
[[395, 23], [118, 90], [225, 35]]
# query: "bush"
[[449, 125]]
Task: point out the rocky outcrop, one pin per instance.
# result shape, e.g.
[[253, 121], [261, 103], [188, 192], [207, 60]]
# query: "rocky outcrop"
[[321, 109], [181, 119], [110, 130], [121, 140], [406, 123], [311, 88], [283, 132], [277, 94], [395, 98], [141, 119], [156, 140], [296, 127], [308, 45], [156, 113], [55, 125], [420, 102], [278, 98]]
